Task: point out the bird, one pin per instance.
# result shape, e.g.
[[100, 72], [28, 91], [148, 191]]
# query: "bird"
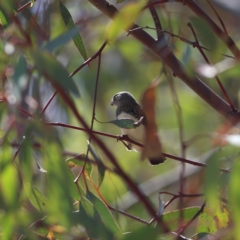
[[129, 108]]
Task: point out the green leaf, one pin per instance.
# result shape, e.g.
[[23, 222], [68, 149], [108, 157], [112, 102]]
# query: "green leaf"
[[211, 180], [7, 12], [61, 40], [101, 170], [172, 218], [46, 64], [10, 186], [67, 18], [104, 213], [124, 19], [58, 186], [4, 20], [124, 123], [91, 220], [20, 79], [79, 161], [234, 196], [143, 233], [38, 200], [214, 217]]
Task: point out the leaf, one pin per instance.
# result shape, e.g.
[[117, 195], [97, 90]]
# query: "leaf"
[[124, 20], [101, 170], [61, 40], [104, 213], [211, 181], [79, 161], [152, 146], [234, 196], [10, 186], [59, 186], [46, 64], [124, 123], [172, 218], [143, 233], [19, 78], [7, 12], [4, 20], [38, 200], [91, 220], [214, 217], [77, 39]]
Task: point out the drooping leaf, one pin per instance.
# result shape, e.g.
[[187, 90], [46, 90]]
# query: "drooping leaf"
[[46, 64], [77, 39], [38, 200], [103, 212], [101, 170], [152, 147], [90, 219]]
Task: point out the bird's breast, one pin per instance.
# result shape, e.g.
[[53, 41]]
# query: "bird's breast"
[[136, 134]]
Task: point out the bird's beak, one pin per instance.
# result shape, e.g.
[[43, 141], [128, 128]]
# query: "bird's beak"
[[112, 102]]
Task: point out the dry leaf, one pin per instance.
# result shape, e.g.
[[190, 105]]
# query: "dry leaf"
[[153, 148]]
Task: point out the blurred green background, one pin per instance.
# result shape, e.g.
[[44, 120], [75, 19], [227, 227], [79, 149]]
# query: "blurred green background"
[[28, 194]]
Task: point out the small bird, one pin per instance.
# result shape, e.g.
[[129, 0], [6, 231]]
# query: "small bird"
[[128, 108]]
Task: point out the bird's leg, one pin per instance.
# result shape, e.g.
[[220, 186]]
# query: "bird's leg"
[[127, 145]]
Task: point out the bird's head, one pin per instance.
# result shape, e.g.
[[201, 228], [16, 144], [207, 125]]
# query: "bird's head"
[[122, 98]]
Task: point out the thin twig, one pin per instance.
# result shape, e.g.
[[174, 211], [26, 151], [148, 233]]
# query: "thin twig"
[[208, 62], [156, 22], [25, 6], [220, 20], [193, 218], [126, 138]]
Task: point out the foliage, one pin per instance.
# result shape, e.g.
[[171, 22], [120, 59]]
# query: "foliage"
[[62, 173]]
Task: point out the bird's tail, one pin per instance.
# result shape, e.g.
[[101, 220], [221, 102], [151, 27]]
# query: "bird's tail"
[[156, 161]]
